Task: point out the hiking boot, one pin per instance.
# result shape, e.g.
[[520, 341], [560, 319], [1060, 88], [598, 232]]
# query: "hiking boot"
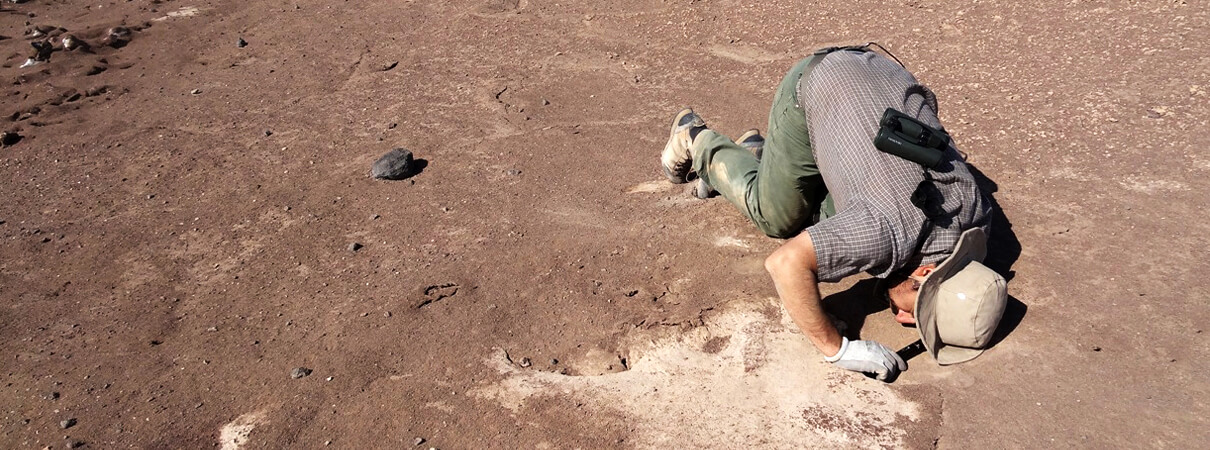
[[753, 141], [677, 160]]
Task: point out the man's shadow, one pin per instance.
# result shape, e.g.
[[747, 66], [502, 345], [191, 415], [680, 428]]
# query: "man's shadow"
[[853, 305]]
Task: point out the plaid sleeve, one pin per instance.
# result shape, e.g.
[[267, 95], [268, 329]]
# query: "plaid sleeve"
[[852, 241]]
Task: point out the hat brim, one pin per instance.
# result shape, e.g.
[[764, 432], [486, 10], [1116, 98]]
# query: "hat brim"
[[972, 246]]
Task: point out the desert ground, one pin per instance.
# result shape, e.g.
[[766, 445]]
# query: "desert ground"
[[177, 217]]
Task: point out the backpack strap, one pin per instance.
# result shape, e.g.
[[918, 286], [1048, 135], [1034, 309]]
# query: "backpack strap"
[[823, 52]]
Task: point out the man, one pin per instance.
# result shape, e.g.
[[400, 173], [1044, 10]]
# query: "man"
[[921, 230]]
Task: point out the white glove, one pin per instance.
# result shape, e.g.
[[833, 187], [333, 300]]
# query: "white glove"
[[868, 357]]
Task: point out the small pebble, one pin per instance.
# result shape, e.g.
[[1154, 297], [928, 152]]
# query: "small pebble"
[[375, 217], [268, 133], [554, 362], [392, 126], [196, 91], [525, 362], [74, 443], [65, 424], [241, 43], [418, 441], [299, 372], [1096, 349], [355, 246]]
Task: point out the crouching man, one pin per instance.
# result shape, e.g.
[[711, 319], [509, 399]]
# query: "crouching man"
[[916, 221]]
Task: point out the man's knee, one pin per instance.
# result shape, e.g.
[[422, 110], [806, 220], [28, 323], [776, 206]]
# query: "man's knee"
[[779, 230]]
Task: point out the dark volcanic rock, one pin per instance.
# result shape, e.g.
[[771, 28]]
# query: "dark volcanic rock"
[[397, 164]]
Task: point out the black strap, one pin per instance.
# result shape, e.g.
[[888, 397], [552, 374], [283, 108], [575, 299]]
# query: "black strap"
[[920, 198], [821, 53]]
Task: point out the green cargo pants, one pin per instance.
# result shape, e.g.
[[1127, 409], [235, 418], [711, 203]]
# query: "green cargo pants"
[[783, 192]]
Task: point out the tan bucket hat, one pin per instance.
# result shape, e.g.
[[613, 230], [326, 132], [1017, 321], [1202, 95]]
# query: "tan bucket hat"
[[960, 303]]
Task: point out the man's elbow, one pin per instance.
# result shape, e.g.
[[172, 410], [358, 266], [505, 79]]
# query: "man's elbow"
[[786, 261]]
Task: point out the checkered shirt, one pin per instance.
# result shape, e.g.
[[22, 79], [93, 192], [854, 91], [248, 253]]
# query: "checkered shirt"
[[876, 226]]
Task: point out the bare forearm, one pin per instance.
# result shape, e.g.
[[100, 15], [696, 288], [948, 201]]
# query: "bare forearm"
[[793, 267], [799, 292]]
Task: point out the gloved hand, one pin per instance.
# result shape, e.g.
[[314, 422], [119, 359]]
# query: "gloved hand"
[[868, 357]]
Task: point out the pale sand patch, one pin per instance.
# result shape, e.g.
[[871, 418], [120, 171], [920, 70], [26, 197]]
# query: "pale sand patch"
[[235, 434], [185, 11], [1151, 186], [650, 186], [742, 379], [746, 54], [729, 241]]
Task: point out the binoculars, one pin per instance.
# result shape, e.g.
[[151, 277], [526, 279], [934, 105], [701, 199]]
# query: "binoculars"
[[904, 136]]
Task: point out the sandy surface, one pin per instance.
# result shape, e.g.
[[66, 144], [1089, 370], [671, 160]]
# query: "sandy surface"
[[175, 227]]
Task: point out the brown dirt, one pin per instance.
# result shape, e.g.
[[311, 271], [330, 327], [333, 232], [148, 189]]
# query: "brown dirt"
[[165, 263]]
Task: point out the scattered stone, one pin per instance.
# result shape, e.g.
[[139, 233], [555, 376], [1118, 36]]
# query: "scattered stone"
[[70, 43], [554, 362], [196, 92], [155, 342], [212, 329], [268, 133], [386, 314], [42, 51], [355, 246], [514, 172], [364, 314], [8, 138], [525, 362], [392, 126], [299, 372], [51, 396], [72, 443], [545, 102], [389, 66], [396, 164], [68, 423], [116, 37], [418, 441], [375, 217], [1096, 348], [241, 43]]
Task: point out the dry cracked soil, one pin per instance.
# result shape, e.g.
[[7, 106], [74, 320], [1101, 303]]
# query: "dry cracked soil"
[[178, 213]]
